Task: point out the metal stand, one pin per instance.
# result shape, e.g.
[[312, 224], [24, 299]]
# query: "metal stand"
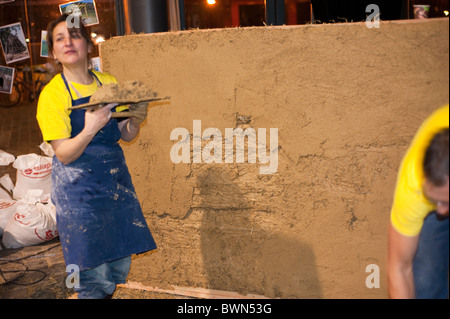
[[29, 49], [408, 9]]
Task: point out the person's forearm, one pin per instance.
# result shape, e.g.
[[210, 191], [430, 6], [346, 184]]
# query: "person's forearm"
[[401, 252], [401, 283], [69, 150], [130, 130]]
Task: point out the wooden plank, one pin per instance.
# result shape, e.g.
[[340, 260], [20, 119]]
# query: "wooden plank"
[[201, 293]]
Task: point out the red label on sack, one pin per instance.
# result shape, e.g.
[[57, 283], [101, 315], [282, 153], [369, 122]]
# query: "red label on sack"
[[19, 218], [39, 171], [4, 205], [49, 234]]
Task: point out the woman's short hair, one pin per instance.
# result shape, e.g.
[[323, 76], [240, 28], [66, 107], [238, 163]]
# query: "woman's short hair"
[[65, 18]]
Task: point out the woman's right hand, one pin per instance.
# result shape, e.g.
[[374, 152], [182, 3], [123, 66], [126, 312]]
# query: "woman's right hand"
[[96, 119], [68, 150]]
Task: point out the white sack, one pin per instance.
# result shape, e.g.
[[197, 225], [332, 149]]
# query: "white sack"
[[31, 224], [4, 194], [7, 183], [33, 172], [6, 158], [7, 209], [47, 149]]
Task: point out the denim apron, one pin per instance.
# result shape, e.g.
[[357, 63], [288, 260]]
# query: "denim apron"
[[98, 214]]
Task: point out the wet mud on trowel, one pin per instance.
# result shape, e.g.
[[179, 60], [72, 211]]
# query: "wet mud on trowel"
[[131, 92]]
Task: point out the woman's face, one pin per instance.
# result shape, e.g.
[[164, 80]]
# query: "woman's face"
[[69, 46]]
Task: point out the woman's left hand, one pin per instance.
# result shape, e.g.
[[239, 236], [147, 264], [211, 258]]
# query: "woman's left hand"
[[139, 111]]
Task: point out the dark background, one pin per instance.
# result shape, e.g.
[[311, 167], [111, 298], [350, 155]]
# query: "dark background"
[[198, 14], [41, 13]]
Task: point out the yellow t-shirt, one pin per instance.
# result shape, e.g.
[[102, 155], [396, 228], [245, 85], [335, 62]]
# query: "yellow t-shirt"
[[410, 205], [54, 101]]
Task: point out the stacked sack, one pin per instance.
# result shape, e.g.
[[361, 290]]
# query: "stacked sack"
[[27, 215], [7, 204]]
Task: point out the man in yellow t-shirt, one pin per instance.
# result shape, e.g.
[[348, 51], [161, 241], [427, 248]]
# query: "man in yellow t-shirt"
[[419, 228]]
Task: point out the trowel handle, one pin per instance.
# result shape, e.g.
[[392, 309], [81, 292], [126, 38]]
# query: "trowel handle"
[[121, 114]]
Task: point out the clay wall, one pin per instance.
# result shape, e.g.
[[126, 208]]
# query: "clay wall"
[[345, 100]]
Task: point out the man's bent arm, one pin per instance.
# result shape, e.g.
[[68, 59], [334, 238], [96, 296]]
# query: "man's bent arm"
[[401, 253]]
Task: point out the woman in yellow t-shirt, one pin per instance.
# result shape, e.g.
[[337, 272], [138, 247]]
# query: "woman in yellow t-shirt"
[[419, 229], [100, 222]]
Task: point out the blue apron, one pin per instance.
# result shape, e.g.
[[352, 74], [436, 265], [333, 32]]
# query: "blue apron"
[[98, 214]]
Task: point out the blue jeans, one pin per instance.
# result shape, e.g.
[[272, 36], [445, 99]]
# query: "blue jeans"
[[100, 282], [430, 266]]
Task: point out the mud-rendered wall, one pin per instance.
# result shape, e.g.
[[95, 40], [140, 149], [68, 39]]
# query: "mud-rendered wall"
[[346, 101]]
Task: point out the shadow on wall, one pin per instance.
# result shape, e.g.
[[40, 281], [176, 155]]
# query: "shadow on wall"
[[239, 255]]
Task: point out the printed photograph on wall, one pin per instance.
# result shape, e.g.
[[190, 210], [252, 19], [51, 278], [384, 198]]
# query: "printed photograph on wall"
[[6, 79], [13, 43], [44, 44], [84, 8]]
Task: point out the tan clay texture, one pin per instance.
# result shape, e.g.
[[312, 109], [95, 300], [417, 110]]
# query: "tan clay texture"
[[128, 91], [346, 101]]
